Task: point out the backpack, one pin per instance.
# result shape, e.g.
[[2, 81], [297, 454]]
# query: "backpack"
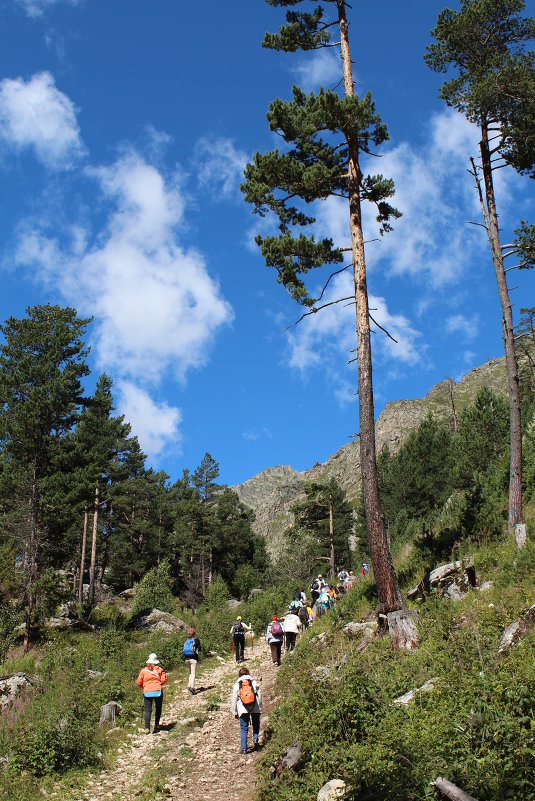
[[303, 614], [295, 604], [237, 627], [276, 629], [315, 586], [247, 694], [189, 650]]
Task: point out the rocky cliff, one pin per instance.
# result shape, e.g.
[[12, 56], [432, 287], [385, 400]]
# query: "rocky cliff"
[[273, 492]]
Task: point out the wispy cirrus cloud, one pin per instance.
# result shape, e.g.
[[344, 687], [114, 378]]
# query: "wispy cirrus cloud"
[[219, 165], [36, 8], [35, 115], [321, 68], [460, 323]]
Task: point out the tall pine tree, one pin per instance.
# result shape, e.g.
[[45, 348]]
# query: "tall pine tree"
[[494, 87], [326, 136]]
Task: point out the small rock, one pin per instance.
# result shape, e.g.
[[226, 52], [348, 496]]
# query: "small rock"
[[404, 700], [334, 789]]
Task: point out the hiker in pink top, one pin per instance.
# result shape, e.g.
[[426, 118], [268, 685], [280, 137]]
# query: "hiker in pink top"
[[274, 636]]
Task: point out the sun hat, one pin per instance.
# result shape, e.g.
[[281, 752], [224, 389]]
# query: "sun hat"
[[191, 632], [152, 659], [239, 617]]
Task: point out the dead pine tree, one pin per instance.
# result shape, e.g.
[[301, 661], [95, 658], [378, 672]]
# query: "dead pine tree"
[[326, 134]]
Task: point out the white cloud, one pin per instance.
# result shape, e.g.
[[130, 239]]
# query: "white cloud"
[[155, 425], [156, 307], [36, 8], [322, 68], [458, 323], [219, 166], [328, 338], [35, 115], [253, 435]]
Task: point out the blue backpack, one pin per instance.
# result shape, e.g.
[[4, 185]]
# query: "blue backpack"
[[189, 650]]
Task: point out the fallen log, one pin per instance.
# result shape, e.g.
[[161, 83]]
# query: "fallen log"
[[451, 790]]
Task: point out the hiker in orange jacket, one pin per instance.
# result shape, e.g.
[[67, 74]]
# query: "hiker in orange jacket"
[[151, 680]]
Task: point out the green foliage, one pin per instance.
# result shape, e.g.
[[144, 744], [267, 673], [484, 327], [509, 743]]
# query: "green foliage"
[[495, 79], [216, 595], [477, 727], [154, 590]]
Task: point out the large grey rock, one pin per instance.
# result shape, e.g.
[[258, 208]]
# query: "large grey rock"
[[156, 620], [357, 629], [514, 632], [11, 686], [332, 790], [453, 579], [233, 603], [293, 758]]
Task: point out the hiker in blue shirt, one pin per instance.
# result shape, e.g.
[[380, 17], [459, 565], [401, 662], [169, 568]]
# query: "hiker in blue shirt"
[[190, 653]]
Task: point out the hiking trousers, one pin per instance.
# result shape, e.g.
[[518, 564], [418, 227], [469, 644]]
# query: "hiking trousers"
[[239, 647], [158, 700], [290, 640], [244, 728], [192, 668], [276, 647]]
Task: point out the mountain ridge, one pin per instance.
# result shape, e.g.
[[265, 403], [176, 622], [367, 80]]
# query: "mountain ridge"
[[272, 492]]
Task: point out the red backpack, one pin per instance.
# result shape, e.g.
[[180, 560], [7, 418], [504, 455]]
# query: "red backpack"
[[247, 693]]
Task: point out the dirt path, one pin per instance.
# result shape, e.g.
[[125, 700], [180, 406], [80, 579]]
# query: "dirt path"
[[197, 754]]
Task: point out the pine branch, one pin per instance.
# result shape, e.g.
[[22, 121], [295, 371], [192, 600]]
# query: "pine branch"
[[319, 308], [382, 329]]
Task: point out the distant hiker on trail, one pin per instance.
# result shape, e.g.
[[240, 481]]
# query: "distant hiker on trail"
[[292, 627], [274, 635], [238, 630], [365, 569], [304, 616], [315, 589], [151, 680], [190, 654], [247, 705]]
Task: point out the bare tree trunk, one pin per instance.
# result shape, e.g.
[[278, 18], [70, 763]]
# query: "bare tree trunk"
[[451, 385], [451, 790], [515, 429], [82, 560], [92, 564], [190, 573], [331, 534], [383, 568], [32, 555]]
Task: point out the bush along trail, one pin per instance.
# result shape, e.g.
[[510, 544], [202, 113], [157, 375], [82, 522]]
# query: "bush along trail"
[[196, 753]]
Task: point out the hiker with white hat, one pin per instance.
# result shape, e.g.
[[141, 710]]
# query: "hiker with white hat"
[[151, 680]]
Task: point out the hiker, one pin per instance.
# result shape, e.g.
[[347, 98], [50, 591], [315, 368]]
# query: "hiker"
[[292, 627], [190, 654], [274, 635], [247, 705], [304, 616], [365, 569], [238, 630], [315, 589], [295, 604], [151, 680]]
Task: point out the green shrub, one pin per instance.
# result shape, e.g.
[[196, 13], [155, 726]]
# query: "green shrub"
[[154, 590]]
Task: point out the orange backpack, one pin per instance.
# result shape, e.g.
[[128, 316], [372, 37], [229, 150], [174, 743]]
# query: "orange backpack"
[[247, 693]]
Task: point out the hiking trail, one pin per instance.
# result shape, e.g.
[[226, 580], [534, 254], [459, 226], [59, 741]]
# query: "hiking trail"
[[197, 753]]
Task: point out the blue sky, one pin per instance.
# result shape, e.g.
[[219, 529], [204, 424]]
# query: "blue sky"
[[124, 129]]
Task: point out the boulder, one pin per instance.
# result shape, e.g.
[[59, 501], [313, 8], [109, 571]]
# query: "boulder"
[[233, 603], [334, 789], [453, 579], [156, 620], [357, 629], [321, 673], [254, 592], [129, 593], [517, 629], [292, 759], [11, 686]]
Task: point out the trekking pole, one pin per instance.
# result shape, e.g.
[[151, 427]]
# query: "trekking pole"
[[252, 639], [233, 647]]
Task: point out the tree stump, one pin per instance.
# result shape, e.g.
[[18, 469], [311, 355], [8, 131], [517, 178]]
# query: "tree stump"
[[108, 713], [403, 631]]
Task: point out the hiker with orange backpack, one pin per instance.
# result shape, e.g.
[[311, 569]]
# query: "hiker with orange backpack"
[[151, 680], [247, 706]]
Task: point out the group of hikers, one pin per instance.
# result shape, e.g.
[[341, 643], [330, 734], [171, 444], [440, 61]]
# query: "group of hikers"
[[246, 695]]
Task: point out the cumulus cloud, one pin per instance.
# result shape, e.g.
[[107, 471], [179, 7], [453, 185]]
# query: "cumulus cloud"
[[155, 424], [219, 165], [322, 68], [36, 8], [155, 305], [35, 115]]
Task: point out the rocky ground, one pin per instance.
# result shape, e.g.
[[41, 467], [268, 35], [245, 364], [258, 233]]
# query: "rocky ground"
[[197, 753]]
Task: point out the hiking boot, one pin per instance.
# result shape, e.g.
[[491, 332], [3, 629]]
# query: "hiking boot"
[[243, 753], [256, 745], [191, 690], [156, 730]]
